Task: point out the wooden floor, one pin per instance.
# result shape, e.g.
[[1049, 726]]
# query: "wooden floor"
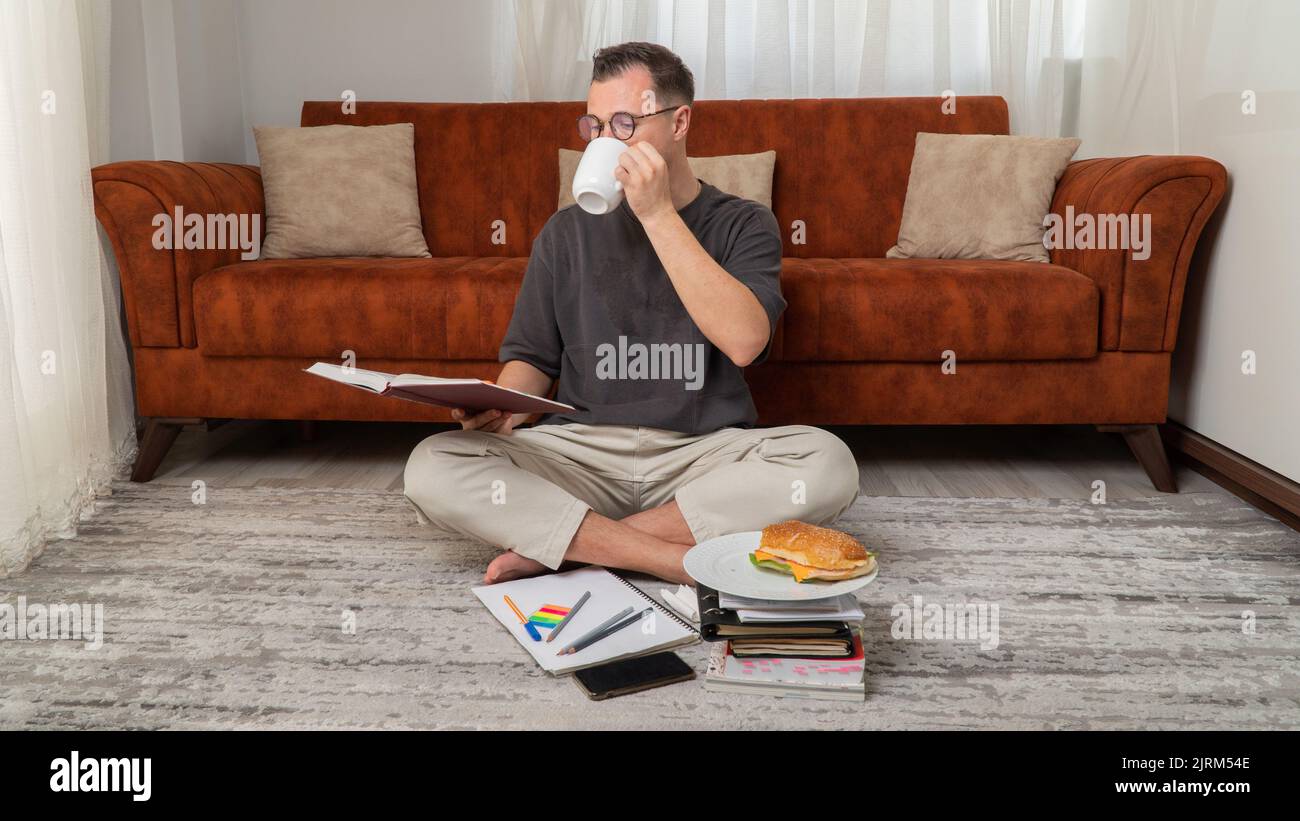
[[995, 461]]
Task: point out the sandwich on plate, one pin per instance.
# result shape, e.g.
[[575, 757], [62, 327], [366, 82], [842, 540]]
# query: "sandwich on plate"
[[809, 552]]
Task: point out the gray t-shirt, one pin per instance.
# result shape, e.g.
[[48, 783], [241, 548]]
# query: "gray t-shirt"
[[598, 311]]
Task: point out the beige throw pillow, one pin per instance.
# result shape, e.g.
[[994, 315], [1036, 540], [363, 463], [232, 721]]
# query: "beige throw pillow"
[[980, 196], [748, 176], [340, 191]]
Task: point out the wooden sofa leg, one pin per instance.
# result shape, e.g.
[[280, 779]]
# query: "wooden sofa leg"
[[1145, 442], [159, 434]]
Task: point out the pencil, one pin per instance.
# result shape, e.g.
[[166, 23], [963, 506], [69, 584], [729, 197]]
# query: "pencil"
[[606, 633], [517, 611], [596, 631], [528, 626], [572, 610]]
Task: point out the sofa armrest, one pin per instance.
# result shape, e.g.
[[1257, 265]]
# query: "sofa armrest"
[[157, 283], [1141, 299]]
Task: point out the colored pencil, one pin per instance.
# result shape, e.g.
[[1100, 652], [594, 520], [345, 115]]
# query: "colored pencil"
[[518, 612], [596, 631], [572, 610], [606, 633], [528, 626]]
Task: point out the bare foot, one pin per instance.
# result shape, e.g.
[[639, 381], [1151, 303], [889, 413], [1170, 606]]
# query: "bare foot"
[[510, 565]]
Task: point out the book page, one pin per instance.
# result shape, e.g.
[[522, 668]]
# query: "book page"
[[406, 379], [376, 381]]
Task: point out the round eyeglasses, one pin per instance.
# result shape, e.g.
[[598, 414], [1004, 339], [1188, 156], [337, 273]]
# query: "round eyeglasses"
[[622, 124]]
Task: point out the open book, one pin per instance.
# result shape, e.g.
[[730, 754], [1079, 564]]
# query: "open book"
[[471, 394]]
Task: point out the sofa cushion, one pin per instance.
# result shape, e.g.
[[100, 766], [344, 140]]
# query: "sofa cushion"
[[840, 310], [436, 308], [980, 196], [843, 168], [912, 310], [340, 190]]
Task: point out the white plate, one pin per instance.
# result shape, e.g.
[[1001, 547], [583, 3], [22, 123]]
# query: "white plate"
[[723, 564]]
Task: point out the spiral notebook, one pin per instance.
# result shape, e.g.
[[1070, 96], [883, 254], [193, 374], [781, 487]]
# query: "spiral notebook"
[[542, 597]]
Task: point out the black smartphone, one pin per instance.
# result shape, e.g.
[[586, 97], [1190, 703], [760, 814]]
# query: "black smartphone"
[[618, 678]]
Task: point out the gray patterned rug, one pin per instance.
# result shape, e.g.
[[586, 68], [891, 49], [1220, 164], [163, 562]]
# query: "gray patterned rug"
[[1169, 612]]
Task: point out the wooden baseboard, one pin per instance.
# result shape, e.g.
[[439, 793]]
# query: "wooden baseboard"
[[1267, 490]]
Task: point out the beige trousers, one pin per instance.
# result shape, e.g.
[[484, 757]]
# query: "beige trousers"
[[528, 490]]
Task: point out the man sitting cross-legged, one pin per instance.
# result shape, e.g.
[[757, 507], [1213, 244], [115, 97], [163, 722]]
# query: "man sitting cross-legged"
[[647, 316]]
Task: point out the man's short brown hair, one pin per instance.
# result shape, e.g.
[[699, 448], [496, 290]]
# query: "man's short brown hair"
[[673, 81]]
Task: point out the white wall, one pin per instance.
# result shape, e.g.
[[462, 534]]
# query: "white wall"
[[209, 79], [176, 90], [422, 50], [130, 131], [1168, 78]]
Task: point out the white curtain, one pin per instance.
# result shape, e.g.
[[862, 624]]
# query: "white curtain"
[[803, 48], [66, 420], [1145, 65]]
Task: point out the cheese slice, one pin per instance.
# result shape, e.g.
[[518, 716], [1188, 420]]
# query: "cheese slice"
[[799, 571]]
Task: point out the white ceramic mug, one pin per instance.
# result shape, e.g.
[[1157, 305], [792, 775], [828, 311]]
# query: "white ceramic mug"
[[594, 187]]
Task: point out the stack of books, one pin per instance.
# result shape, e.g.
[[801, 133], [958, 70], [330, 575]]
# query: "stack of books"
[[807, 649]]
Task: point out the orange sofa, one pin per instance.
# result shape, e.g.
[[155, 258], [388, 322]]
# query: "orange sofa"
[[1085, 338]]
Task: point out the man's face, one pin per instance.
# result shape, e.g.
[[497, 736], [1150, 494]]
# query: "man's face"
[[633, 92]]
